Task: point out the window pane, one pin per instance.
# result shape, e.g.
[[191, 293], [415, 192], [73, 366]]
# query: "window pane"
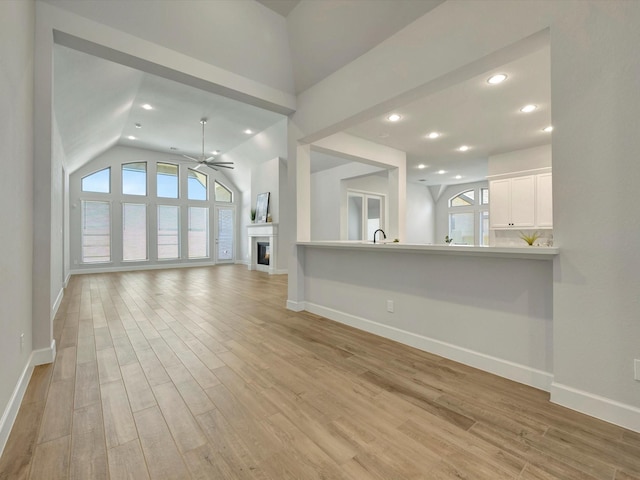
[[222, 193], [484, 228], [225, 233], [198, 232], [134, 178], [484, 192], [463, 199], [134, 231], [167, 180], [197, 184], [97, 182], [461, 228], [168, 232], [96, 232]]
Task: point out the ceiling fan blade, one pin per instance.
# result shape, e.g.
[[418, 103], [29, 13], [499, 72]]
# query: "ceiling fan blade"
[[191, 158], [208, 159], [213, 165], [223, 163]]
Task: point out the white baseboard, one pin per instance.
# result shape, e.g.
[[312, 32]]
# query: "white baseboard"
[[295, 306], [503, 368], [611, 411], [37, 357], [56, 304], [131, 268], [44, 355]]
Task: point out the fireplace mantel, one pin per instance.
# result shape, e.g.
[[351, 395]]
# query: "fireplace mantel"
[[263, 232]]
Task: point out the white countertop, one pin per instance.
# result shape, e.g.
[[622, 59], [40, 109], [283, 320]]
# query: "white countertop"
[[527, 252]]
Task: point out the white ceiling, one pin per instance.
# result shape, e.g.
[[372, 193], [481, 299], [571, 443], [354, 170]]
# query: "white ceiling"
[[97, 102], [282, 7], [325, 35], [473, 113]]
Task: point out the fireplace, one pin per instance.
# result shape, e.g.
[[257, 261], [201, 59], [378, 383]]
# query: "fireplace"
[[263, 253]]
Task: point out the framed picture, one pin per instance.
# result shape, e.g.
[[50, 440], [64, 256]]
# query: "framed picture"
[[262, 207]]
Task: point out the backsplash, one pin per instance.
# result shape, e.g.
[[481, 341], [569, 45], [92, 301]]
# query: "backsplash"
[[511, 238]]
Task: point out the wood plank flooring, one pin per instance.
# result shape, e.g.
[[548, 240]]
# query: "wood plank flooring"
[[202, 373]]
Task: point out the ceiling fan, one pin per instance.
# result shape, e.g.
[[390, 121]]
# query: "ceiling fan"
[[204, 160]]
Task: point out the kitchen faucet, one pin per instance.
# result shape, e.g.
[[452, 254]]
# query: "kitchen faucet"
[[384, 235]]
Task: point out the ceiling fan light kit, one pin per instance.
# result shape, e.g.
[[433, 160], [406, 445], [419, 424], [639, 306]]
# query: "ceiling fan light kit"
[[203, 159]]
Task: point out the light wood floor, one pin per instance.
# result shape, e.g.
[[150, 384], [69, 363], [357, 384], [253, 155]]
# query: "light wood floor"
[[202, 373]]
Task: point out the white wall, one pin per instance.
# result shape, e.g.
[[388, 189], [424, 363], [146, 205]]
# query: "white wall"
[[442, 303], [57, 213], [520, 160], [17, 27], [326, 198], [594, 70], [420, 214], [256, 47], [262, 147]]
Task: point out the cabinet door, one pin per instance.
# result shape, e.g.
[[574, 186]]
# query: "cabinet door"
[[500, 203], [544, 201], [523, 202]]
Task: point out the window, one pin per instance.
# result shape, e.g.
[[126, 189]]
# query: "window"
[[167, 180], [484, 196], [98, 182], [197, 185], [198, 237], [463, 199], [222, 193], [168, 232], [96, 232], [134, 232], [134, 178], [364, 216], [469, 216]]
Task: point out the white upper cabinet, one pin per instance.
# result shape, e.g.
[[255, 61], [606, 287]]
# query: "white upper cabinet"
[[522, 202]]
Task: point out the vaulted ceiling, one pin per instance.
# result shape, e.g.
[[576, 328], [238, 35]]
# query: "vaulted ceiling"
[[98, 102]]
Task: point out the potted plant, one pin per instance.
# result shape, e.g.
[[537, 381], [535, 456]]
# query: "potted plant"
[[253, 215], [530, 238]]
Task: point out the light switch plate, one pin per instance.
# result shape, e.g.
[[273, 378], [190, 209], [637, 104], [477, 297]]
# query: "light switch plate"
[[390, 306]]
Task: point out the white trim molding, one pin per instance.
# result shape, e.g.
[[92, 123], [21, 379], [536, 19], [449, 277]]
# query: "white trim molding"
[[503, 368], [56, 304], [37, 357], [622, 414], [296, 306]]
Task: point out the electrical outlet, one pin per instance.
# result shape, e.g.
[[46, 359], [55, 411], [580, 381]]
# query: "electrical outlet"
[[636, 369], [390, 306]]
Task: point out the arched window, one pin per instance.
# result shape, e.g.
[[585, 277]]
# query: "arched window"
[[97, 182], [197, 185], [222, 193], [469, 217], [463, 199]]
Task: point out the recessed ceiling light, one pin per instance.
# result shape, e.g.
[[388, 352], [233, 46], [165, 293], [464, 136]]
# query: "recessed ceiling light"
[[528, 108], [441, 172], [394, 117], [138, 125], [131, 137], [421, 166], [422, 180], [458, 177], [248, 131], [172, 148], [433, 135], [463, 148], [548, 129], [496, 79], [146, 106]]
